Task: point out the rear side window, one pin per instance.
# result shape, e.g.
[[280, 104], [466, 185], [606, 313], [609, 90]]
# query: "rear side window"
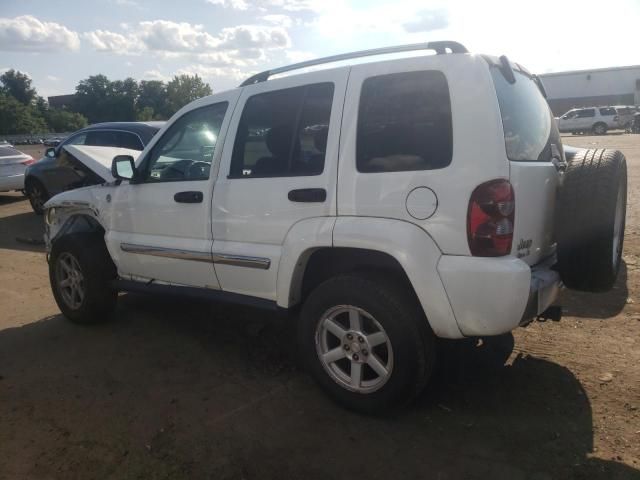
[[608, 111], [530, 131], [129, 140], [283, 133], [404, 123]]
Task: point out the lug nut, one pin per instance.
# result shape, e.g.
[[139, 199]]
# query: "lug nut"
[[360, 339], [349, 336], [356, 357], [346, 347], [365, 352]]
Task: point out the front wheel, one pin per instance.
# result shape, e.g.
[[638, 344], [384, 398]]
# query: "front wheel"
[[366, 342], [37, 195], [81, 272]]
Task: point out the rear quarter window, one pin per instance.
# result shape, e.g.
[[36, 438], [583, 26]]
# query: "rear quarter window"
[[527, 121], [404, 123]]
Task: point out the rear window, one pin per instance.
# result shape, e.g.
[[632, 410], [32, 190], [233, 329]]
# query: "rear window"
[[608, 111], [404, 123], [529, 127]]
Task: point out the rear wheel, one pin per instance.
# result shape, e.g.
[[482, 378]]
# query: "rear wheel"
[[591, 219], [600, 128], [80, 272], [366, 342], [37, 195]]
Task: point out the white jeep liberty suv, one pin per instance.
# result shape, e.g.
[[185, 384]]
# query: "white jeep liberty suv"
[[385, 203]]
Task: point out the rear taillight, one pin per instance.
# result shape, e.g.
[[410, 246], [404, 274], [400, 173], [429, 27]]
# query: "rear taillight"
[[490, 219], [28, 161]]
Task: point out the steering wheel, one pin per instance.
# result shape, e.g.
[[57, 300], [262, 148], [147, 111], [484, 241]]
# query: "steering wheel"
[[198, 170]]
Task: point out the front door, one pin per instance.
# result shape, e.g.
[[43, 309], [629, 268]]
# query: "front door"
[[160, 228], [279, 166]]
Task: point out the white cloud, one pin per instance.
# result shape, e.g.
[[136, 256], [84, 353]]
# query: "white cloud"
[[155, 75], [264, 5], [214, 72], [235, 4], [427, 20], [280, 20], [106, 41], [28, 34], [53, 78], [165, 35], [244, 37]]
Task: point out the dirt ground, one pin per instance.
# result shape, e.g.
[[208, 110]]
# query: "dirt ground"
[[182, 390]]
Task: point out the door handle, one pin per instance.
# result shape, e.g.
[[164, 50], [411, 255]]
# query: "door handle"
[[308, 195], [188, 197]]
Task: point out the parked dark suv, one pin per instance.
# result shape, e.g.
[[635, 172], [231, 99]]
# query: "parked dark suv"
[[54, 173]]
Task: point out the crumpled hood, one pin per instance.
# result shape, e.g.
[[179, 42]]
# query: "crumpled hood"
[[99, 159]]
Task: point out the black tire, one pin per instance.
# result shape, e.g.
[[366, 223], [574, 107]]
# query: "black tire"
[[37, 195], [594, 190], [97, 270], [600, 128], [398, 311]]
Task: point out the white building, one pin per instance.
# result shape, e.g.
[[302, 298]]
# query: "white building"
[[588, 88]]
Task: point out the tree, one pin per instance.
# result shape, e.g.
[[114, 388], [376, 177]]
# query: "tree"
[[18, 85], [64, 121], [16, 117], [152, 100], [92, 98], [184, 89], [123, 100]]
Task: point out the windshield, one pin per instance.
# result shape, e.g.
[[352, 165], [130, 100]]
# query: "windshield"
[[529, 127]]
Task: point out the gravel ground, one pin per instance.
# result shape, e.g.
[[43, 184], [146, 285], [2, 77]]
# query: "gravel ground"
[[175, 389]]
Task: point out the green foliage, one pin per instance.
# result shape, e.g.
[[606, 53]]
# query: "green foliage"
[[184, 89], [18, 85], [97, 99], [64, 121], [152, 94], [16, 117]]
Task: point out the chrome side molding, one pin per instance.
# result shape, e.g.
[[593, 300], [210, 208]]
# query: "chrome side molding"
[[220, 258], [242, 261]]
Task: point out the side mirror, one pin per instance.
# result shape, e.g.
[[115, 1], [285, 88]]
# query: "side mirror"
[[123, 167], [50, 152]]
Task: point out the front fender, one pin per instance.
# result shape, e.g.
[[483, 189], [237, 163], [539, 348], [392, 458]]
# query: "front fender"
[[417, 254], [62, 208]]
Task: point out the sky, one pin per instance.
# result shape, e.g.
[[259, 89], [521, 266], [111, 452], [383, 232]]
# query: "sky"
[[60, 42]]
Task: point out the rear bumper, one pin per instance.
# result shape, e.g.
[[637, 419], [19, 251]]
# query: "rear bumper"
[[12, 182], [491, 296]]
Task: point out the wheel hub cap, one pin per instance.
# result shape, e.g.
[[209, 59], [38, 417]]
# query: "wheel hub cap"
[[354, 349], [70, 281]]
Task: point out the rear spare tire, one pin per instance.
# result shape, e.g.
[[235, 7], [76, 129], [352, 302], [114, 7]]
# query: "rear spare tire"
[[592, 205]]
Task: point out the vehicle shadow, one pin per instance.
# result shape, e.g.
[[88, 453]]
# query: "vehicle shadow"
[[597, 305], [9, 199], [23, 231], [182, 389]]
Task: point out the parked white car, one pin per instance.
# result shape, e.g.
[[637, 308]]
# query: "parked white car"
[[368, 200], [597, 120], [13, 164]]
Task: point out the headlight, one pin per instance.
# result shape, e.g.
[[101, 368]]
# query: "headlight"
[[50, 216]]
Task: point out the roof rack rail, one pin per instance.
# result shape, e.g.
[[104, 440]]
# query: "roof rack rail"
[[439, 47]]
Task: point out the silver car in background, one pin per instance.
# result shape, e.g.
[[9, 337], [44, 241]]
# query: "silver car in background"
[[13, 164]]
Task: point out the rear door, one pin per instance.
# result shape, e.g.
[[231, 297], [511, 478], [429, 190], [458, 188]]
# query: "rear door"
[[532, 144], [279, 166]]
